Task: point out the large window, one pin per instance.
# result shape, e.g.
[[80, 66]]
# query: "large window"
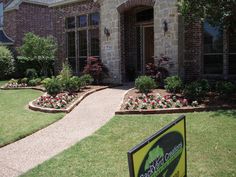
[[213, 50], [83, 39], [219, 51]]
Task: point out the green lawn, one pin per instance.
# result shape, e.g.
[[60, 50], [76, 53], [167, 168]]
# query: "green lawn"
[[16, 120], [210, 145]]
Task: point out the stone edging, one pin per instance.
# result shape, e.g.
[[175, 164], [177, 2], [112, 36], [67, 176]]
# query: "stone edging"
[[67, 110], [19, 88], [175, 110]]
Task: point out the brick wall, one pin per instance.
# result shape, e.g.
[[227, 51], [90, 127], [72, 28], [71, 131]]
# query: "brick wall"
[[29, 18], [193, 51]]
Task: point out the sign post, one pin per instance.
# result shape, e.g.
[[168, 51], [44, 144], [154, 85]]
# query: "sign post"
[[161, 155]]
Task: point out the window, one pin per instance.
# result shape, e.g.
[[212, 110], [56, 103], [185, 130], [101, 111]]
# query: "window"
[[145, 15], [83, 39], [94, 19], [219, 51], [94, 41], [83, 49], [70, 23], [213, 50], [71, 50], [232, 53], [82, 21], [1, 14]]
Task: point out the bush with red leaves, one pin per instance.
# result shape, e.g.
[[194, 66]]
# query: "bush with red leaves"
[[96, 69]]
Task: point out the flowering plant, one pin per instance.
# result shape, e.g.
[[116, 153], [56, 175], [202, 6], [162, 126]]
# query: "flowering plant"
[[60, 101]]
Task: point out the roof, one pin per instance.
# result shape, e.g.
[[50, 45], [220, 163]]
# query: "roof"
[[4, 39], [14, 4]]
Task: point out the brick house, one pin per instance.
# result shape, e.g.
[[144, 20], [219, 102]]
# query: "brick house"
[[126, 35]]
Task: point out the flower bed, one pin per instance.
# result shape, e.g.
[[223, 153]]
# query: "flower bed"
[[60, 101], [157, 101]]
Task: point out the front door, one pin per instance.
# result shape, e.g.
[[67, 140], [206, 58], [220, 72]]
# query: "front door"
[[148, 45]]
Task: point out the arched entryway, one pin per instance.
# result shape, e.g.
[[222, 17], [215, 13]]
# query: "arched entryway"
[[137, 37]]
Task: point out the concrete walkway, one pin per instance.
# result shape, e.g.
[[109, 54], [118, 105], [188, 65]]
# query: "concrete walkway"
[[92, 113]]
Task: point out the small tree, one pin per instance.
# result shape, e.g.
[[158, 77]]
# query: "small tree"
[[217, 12], [39, 49], [96, 69], [6, 62]]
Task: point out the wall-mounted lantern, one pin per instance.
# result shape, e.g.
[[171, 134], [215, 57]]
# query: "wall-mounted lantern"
[[165, 26], [107, 32]]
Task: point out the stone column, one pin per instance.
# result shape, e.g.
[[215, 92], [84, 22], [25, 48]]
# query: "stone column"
[[110, 45], [167, 42]]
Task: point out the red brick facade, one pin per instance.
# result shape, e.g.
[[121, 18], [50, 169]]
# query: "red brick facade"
[[193, 40], [27, 19]]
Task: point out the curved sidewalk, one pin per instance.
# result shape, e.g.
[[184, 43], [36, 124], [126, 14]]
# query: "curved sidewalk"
[[92, 113]]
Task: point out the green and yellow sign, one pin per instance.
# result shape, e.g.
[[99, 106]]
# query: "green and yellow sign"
[[161, 155]]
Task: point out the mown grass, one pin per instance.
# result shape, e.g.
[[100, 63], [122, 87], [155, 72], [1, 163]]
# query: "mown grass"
[[210, 146], [16, 120]]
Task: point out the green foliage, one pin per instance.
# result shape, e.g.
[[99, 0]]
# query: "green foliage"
[[39, 49], [225, 88], [217, 12], [6, 62], [53, 86], [144, 84], [196, 90], [72, 85], [173, 84], [66, 72], [86, 79], [31, 73], [45, 81], [24, 80], [34, 82]]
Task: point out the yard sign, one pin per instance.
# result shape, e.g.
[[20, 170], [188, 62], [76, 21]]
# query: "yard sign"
[[161, 155]]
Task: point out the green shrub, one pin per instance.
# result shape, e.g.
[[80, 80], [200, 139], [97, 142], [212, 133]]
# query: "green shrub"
[[86, 80], [13, 81], [144, 84], [225, 88], [24, 80], [45, 81], [53, 86], [32, 82], [173, 84], [6, 62], [204, 84], [72, 85], [197, 90], [31, 73]]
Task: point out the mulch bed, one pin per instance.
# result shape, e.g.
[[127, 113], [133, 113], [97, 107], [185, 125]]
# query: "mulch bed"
[[212, 102]]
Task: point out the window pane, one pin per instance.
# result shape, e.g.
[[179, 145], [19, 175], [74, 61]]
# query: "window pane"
[[82, 21], [82, 49], [1, 14], [232, 64], [232, 42], [94, 37], [213, 64], [72, 63], [213, 39], [71, 44], [94, 19], [70, 22]]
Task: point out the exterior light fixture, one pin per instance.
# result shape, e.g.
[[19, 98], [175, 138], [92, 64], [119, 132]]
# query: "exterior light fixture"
[[165, 26], [107, 32]]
